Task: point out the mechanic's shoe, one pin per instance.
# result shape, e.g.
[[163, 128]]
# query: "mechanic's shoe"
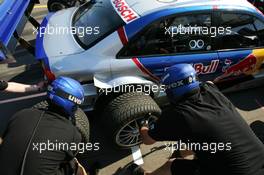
[[132, 169]]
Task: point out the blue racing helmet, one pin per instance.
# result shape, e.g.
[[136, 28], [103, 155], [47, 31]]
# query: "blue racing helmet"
[[180, 80], [66, 93]]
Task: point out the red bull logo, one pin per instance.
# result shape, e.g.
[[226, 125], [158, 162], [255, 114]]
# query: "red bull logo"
[[202, 69], [248, 64]]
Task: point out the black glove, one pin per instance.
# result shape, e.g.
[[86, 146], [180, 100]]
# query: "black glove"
[[3, 85]]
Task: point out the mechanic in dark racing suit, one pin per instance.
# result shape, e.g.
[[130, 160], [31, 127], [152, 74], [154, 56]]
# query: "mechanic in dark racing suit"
[[201, 115], [19, 88], [31, 141]]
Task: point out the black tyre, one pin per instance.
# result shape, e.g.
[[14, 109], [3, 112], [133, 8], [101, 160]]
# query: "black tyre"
[[56, 5], [124, 114], [81, 120], [83, 125]]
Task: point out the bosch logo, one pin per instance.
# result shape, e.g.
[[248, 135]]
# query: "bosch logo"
[[124, 11], [196, 44]]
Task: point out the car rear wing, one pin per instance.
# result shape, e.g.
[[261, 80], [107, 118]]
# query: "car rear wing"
[[14, 14]]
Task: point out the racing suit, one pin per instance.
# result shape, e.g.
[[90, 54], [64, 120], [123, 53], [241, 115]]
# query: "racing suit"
[[50, 151], [208, 124]]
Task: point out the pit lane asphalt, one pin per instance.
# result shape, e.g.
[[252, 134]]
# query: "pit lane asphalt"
[[250, 104]]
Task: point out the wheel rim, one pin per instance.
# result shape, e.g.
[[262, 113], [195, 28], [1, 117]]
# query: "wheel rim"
[[56, 6], [129, 136]]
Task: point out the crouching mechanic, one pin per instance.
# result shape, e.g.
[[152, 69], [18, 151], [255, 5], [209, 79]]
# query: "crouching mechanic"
[[31, 130], [208, 123]]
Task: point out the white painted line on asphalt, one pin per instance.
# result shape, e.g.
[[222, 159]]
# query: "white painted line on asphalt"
[[22, 98], [137, 155]]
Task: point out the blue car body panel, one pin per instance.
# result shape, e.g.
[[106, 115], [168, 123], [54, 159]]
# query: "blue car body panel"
[[40, 51], [11, 14], [208, 65]]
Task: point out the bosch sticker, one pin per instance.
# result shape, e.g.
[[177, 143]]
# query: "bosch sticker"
[[202, 69], [125, 12]]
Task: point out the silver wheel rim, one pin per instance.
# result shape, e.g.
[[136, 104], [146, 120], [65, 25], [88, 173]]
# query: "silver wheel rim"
[[129, 136], [56, 6]]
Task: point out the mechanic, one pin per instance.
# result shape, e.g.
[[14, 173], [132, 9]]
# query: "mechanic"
[[202, 115], [20, 88], [32, 129]]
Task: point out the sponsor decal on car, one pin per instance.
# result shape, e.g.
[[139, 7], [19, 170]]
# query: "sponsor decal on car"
[[125, 12], [246, 66], [202, 69], [144, 70]]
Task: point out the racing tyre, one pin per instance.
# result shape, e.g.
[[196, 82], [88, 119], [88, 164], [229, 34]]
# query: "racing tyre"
[[124, 115], [83, 125], [56, 5], [81, 120]]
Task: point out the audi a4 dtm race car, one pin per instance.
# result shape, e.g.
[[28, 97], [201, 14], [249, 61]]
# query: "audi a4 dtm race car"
[[127, 45]]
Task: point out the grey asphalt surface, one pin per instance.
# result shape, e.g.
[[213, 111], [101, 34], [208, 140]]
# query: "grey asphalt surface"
[[250, 104]]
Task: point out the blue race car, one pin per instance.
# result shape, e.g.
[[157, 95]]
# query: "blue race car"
[[117, 48]]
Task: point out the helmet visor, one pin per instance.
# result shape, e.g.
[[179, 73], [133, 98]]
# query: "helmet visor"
[[66, 95]]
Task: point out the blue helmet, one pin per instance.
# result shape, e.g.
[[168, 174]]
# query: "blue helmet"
[[180, 80], [66, 93]]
